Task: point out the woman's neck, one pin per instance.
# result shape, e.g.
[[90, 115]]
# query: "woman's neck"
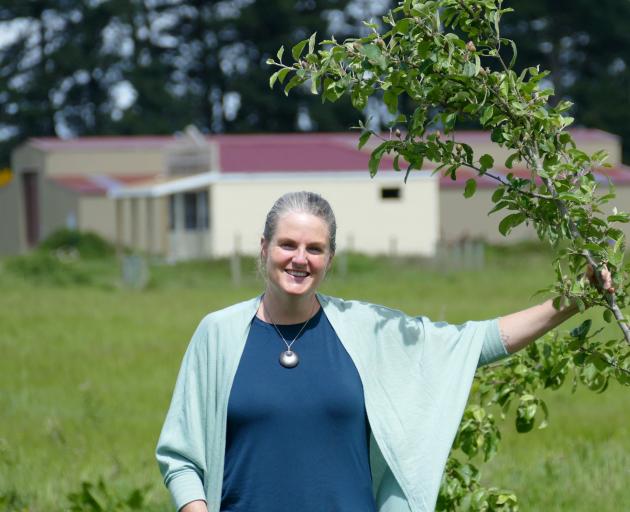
[[287, 309]]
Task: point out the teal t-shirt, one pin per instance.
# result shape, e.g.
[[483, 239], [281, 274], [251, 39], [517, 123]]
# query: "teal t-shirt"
[[298, 438]]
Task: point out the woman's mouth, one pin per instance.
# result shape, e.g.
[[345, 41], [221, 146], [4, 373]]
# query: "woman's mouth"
[[297, 273]]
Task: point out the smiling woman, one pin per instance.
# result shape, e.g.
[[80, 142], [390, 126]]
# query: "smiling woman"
[[296, 259], [363, 419]]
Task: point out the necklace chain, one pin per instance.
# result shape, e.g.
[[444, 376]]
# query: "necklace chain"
[[278, 330]]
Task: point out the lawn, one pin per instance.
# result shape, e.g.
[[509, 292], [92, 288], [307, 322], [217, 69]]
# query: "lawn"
[[87, 370]]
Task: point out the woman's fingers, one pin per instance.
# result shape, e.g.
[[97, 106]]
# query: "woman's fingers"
[[607, 283]]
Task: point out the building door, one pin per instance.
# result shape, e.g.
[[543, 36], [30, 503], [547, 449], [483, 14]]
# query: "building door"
[[31, 207]]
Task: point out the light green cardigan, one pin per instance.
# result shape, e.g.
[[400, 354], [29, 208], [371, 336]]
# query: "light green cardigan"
[[416, 377]]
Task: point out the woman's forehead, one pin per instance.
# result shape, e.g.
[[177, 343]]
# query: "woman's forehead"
[[301, 223]]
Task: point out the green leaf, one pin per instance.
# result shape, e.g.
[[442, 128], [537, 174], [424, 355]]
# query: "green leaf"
[[358, 97], [469, 189], [499, 206], [470, 69], [295, 81], [365, 136], [373, 54], [280, 53], [296, 51], [486, 115], [581, 330], [282, 74], [498, 194], [620, 217], [375, 159], [514, 52], [510, 160], [272, 79], [390, 98], [402, 27], [396, 164], [314, 82], [486, 161], [311, 42], [510, 222]]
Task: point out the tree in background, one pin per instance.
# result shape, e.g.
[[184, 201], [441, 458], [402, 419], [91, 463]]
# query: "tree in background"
[[586, 47], [217, 53], [29, 72], [79, 67], [74, 67]]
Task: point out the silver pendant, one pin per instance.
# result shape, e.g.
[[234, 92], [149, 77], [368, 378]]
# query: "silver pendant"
[[289, 359]]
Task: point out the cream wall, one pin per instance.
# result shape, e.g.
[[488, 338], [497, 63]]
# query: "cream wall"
[[27, 158], [58, 208], [461, 217], [112, 162], [365, 222], [151, 232], [10, 214], [98, 214]]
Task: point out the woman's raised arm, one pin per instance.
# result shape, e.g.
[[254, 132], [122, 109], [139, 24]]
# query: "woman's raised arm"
[[519, 329]]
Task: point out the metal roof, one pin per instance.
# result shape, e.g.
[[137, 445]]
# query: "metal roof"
[[300, 154]]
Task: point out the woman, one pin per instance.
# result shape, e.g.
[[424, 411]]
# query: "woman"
[[298, 401]]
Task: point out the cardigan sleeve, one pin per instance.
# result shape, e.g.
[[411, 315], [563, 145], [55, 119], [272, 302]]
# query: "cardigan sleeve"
[[180, 450], [493, 349], [443, 338]]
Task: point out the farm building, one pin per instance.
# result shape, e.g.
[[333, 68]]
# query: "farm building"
[[469, 218], [193, 196]]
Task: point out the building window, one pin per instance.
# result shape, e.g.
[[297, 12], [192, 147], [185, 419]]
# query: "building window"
[[171, 212], [390, 193], [189, 210]]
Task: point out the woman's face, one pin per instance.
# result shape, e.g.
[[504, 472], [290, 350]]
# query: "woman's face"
[[298, 255]]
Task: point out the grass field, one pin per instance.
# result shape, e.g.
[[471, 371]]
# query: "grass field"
[[87, 370]]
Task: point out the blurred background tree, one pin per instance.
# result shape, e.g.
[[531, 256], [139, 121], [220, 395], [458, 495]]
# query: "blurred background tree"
[[90, 67], [586, 46]]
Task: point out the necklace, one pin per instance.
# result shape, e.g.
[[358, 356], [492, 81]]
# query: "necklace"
[[288, 358]]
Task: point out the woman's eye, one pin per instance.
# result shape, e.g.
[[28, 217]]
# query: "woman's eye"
[[315, 250]]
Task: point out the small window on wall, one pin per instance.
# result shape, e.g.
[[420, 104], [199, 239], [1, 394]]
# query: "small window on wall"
[[391, 193], [190, 210], [194, 208]]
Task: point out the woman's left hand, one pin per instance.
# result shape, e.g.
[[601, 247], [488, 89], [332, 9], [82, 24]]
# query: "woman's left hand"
[[606, 278]]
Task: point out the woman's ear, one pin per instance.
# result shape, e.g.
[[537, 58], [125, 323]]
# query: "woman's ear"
[[263, 248]]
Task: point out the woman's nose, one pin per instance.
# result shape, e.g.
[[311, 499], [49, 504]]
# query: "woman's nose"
[[300, 257]]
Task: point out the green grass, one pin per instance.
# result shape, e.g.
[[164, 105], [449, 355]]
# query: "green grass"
[[88, 367]]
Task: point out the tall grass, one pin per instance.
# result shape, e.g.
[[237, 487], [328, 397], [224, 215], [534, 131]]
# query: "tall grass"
[[87, 370]]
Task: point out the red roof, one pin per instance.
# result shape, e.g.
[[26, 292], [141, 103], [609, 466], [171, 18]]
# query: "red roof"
[[98, 185], [619, 175], [297, 152], [286, 153]]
